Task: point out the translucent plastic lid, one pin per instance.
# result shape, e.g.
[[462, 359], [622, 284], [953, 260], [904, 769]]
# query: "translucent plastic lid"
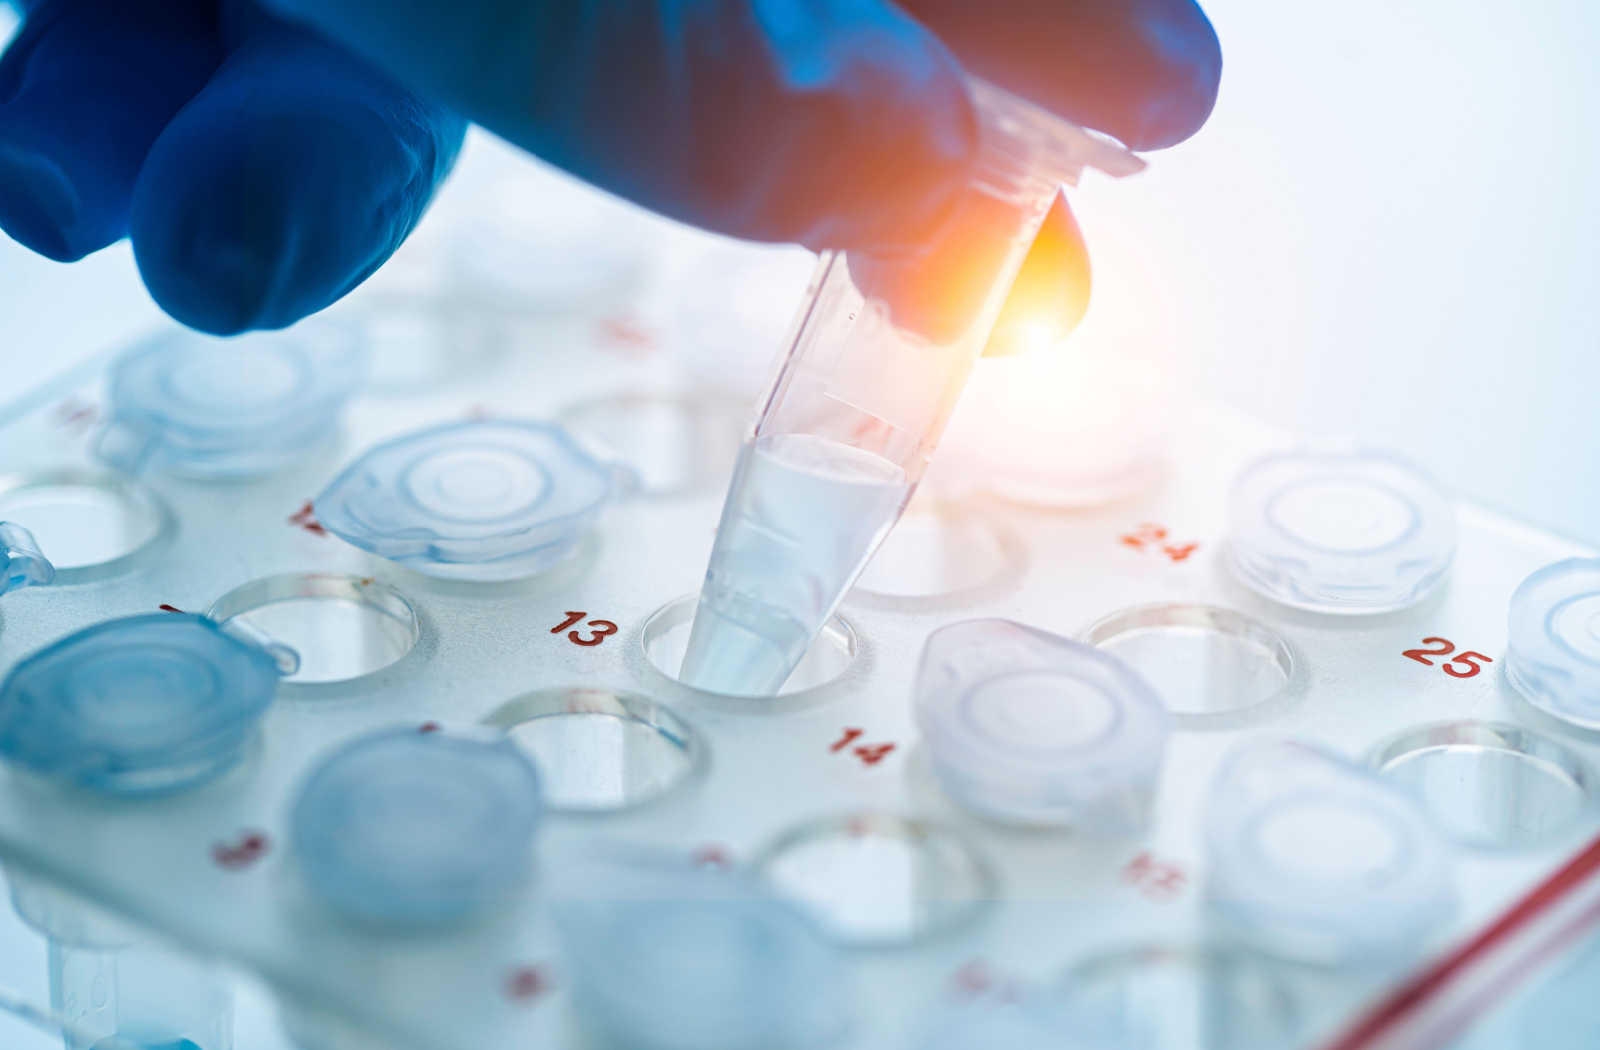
[[1553, 654], [664, 956], [235, 407], [1339, 531], [21, 563], [143, 704], [479, 501], [1029, 726], [408, 827], [1314, 857]]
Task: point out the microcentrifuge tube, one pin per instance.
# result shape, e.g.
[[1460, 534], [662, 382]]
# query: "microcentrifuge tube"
[[882, 350], [139, 997]]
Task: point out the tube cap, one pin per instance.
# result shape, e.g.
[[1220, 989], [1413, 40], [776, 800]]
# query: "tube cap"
[[1339, 532], [21, 562], [228, 408], [1028, 726], [402, 827], [471, 501], [1313, 857], [664, 956], [138, 705], [1553, 655]]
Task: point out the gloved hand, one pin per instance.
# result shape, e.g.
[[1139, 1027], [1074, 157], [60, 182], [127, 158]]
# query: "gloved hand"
[[262, 170]]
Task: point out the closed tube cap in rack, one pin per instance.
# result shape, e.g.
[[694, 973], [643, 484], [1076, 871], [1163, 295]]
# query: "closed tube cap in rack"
[[1359, 531], [1029, 727], [228, 408], [22, 564], [1312, 857], [404, 827], [139, 705], [666, 956], [1553, 650], [492, 500]]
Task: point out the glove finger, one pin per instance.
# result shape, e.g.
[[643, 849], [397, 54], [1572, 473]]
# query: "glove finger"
[[833, 123], [1051, 293], [85, 88], [284, 183], [1145, 71]]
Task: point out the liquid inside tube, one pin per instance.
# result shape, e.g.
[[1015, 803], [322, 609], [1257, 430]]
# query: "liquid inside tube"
[[879, 354], [804, 513]]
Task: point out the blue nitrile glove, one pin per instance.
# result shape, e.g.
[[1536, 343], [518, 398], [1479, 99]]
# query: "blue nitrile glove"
[[261, 172]]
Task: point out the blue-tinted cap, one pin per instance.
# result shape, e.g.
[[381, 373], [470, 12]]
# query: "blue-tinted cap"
[[21, 562], [669, 956], [477, 501], [228, 407], [1553, 655], [138, 705], [406, 827]]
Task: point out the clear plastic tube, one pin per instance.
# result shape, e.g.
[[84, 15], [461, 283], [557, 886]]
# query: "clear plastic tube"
[[880, 351]]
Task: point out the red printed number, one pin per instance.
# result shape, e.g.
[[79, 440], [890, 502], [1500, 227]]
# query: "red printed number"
[[869, 754], [306, 519], [843, 742], [873, 755], [600, 630], [74, 414], [527, 983], [1144, 535], [250, 848], [1154, 878], [1149, 536], [1462, 665]]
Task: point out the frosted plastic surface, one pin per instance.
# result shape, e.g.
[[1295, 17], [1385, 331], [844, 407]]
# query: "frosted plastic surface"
[[1062, 898]]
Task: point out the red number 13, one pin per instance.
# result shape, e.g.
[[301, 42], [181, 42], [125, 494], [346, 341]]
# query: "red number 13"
[[600, 629]]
